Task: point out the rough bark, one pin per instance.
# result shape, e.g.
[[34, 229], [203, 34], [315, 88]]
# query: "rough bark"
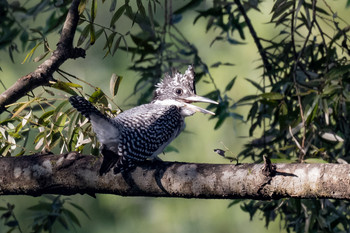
[[74, 173], [44, 73]]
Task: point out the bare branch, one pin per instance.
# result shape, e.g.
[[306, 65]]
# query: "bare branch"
[[258, 44], [43, 74], [74, 173]]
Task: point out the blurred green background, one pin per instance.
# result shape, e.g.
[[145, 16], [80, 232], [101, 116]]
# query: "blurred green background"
[[109, 213]]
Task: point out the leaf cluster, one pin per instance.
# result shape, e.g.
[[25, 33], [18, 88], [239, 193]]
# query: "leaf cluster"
[[47, 215]]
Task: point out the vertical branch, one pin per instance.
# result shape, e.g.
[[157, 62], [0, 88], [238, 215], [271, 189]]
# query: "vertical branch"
[[297, 57], [267, 65]]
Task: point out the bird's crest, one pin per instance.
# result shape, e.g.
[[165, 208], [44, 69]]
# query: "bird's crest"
[[177, 79]]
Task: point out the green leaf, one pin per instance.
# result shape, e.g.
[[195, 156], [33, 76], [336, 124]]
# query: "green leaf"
[[255, 84], [114, 84], [23, 106], [61, 121], [109, 42], [280, 7], [92, 34], [30, 54], [116, 44], [55, 139], [217, 64], [337, 72], [40, 207], [80, 209], [98, 96], [12, 223], [4, 150], [63, 86], [83, 35], [315, 160], [230, 84], [63, 222], [170, 149], [71, 216], [45, 117], [272, 96], [234, 202], [82, 6], [141, 8], [247, 98], [117, 15], [150, 14], [93, 10], [310, 109], [75, 85]]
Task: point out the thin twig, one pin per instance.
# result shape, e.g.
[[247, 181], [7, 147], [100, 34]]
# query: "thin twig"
[[253, 33], [296, 63]]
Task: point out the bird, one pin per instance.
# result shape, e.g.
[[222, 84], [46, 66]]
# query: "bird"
[[141, 133]]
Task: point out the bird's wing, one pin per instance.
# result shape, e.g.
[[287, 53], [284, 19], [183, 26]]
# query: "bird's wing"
[[147, 133]]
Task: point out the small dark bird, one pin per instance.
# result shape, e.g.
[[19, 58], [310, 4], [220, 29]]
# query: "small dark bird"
[[141, 133]]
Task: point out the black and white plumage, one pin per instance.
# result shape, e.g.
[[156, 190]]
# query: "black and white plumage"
[[141, 133]]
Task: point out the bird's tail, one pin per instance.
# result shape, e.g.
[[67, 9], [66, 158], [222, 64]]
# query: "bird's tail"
[[84, 106]]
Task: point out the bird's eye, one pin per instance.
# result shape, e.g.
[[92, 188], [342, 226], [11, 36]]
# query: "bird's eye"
[[179, 91]]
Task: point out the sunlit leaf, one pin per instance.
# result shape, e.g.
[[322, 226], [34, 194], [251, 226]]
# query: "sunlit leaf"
[[315, 160], [93, 10], [114, 84], [30, 54], [23, 106], [45, 117], [92, 34], [98, 96], [82, 6], [63, 86], [272, 96], [331, 137]]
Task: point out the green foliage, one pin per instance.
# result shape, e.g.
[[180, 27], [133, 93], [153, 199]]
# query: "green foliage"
[[299, 113], [50, 212], [9, 218], [303, 215]]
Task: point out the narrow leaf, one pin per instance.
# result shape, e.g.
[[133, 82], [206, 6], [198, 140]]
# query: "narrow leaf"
[[272, 96], [114, 84], [230, 84], [64, 87], [83, 35], [22, 108], [117, 15]]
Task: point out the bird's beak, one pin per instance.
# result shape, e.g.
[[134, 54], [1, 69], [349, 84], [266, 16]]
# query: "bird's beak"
[[202, 99]]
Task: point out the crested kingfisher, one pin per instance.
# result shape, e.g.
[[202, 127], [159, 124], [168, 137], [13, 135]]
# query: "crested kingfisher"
[[142, 132]]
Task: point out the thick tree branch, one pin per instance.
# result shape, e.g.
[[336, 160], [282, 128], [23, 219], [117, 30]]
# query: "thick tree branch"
[[74, 173], [43, 74]]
